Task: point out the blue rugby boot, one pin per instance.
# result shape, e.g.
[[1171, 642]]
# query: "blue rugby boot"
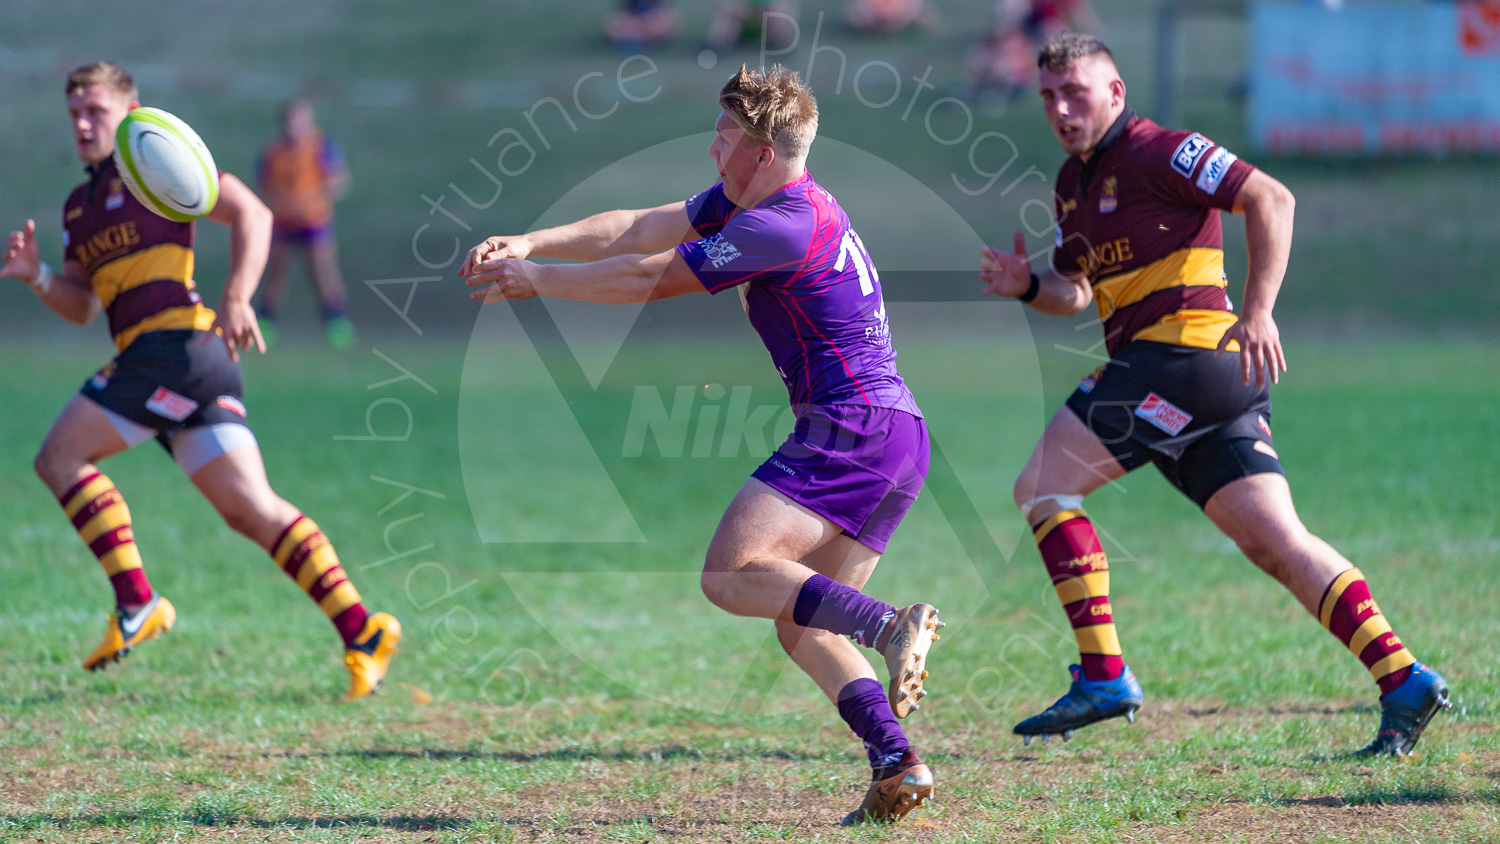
[[1087, 701], [1404, 713]]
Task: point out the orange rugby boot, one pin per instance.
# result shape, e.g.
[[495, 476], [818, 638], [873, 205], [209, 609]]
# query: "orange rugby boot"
[[370, 655], [126, 630]]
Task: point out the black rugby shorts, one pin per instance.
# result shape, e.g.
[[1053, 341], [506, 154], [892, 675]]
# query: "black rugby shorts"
[[171, 380], [1181, 409]]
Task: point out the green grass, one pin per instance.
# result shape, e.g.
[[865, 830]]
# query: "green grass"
[[586, 691], [577, 685]]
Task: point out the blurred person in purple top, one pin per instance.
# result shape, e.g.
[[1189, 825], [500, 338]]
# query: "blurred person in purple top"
[[807, 528]]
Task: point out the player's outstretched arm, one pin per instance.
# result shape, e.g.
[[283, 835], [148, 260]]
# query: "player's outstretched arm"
[[68, 293], [613, 281], [611, 234], [1269, 208], [1009, 274], [249, 222]]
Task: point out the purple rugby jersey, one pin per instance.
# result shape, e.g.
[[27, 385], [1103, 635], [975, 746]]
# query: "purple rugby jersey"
[[809, 289]]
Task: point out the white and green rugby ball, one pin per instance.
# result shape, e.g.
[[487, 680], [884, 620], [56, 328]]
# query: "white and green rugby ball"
[[166, 165]]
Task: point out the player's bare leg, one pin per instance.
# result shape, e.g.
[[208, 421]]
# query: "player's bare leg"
[[832, 661], [235, 484], [1069, 463], [323, 261], [82, 435], [1258, 514], [273, 288], [753, 568], [323, 267], [237, 487], [765, 551]]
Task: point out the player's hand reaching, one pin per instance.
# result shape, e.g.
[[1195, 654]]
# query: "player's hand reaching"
[[236, 323], [1260, 347], [21, 258], [499, 246], [503, 278], [1006, 273]]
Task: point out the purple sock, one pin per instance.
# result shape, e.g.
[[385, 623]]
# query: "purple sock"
[[864, 706], [826, 604]]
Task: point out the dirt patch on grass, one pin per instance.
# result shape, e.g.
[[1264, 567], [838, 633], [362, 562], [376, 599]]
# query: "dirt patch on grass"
[[1319, 819], [733, 783]]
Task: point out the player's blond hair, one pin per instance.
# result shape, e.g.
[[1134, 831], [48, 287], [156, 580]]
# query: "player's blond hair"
[[102, 73], [773, 107], [1063, 50]]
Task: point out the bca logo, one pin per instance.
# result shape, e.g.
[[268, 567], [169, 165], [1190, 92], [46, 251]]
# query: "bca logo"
[[1188, 152], [719, 251]]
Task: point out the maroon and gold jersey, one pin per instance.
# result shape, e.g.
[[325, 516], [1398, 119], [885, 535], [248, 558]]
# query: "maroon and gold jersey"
[[139, 263], [1141, 220]]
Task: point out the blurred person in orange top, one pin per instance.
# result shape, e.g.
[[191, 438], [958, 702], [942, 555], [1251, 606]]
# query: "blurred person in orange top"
[[302, 174]]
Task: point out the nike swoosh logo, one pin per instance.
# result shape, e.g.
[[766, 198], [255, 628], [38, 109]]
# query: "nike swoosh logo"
[[132, 625]]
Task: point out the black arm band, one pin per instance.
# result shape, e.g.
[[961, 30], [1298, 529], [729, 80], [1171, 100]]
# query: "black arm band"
[[1036, 285]]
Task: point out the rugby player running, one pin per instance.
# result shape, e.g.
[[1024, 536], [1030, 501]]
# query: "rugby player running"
[[1185, 387], [806, 530], [172, 380]]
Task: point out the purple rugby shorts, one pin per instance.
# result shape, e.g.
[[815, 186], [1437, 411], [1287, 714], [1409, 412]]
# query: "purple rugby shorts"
[[303, 235], [858, 467]]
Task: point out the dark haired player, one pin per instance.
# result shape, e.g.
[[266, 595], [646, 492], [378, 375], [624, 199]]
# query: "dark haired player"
[[1139, 235], [806, 530], [172, 380]]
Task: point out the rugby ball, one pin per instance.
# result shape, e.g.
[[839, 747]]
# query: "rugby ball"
[[165, 165]]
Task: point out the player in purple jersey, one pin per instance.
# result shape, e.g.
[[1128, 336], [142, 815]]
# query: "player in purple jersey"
[[806, 530]]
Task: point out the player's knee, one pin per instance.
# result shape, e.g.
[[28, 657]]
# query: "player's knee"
[[1024, 490], [715, 586], [249, 517], [52, 466], [239, 516], [790, 635]]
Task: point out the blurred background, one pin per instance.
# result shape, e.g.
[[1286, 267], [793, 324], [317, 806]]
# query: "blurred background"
[[1393, 231]]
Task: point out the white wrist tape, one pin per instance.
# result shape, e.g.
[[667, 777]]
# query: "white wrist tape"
[[43, 281]]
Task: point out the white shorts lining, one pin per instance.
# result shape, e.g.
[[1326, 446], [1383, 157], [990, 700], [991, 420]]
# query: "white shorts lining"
[[194, 448]]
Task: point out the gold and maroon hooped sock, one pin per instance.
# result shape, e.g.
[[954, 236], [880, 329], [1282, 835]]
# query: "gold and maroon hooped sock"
[[1349, 613], [1080, 574], [306, 555], [99, 514]]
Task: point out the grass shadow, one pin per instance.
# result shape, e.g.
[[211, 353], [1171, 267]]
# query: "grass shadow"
[[406, 823], [668, 753]]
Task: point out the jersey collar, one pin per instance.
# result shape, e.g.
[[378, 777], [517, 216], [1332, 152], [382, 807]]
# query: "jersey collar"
[[805, 177], [1116, 129], [96, 172]]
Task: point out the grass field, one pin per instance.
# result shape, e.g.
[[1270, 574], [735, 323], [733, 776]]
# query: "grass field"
[[562, 678], [583, 690]]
